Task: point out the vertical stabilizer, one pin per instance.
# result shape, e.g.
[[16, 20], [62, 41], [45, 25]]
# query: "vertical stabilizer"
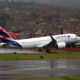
[[6, 38]]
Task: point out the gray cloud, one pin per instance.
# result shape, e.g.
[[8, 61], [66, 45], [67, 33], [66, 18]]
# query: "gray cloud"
[[67, 3]]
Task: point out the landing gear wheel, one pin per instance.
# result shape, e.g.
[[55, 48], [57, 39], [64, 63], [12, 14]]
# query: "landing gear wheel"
[[48, 50], [40, 50]]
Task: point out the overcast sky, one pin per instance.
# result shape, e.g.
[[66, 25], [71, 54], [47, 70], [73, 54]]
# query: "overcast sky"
[[68, 3]]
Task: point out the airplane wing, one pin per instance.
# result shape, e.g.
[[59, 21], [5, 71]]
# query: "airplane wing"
[[2, 44], [52, 43], [49, 44], [5, 45]]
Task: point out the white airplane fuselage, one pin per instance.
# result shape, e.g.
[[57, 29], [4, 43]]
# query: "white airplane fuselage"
[[42, 41]]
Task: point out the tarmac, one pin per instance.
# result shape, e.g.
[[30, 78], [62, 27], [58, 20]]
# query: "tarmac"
[[12, 50], [10, 70], [35, 50]]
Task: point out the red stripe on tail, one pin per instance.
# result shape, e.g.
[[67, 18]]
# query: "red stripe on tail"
[[1, 30], [3, 37]]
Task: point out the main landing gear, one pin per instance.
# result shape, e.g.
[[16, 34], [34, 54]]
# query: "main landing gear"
[[46, 49], [40, 50]]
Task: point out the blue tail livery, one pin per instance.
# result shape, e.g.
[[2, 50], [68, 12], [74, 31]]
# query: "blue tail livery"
[[6, 38]]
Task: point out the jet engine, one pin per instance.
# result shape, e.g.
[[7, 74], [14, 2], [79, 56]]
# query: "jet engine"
[[61, 45]]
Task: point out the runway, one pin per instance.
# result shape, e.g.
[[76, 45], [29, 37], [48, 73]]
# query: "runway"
[[13, 50], [38, 68], [31, 51]]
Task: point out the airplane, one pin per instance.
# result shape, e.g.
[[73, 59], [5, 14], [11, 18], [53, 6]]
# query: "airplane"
[[57, 41]]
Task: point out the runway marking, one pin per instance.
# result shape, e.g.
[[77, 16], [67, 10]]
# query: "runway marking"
[[29, 69]]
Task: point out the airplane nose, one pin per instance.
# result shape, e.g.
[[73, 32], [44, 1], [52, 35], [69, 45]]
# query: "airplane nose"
[[77, 38]]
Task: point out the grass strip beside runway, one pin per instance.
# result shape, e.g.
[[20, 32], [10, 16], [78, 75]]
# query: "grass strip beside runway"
[[38, 56], [58, 78]]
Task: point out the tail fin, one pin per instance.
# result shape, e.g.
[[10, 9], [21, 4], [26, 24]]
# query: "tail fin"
[[6, 38]]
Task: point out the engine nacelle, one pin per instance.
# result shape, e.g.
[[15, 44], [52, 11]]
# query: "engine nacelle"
[[61, 45]]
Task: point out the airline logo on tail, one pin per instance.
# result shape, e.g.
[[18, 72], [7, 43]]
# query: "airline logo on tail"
[[6, 38]]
